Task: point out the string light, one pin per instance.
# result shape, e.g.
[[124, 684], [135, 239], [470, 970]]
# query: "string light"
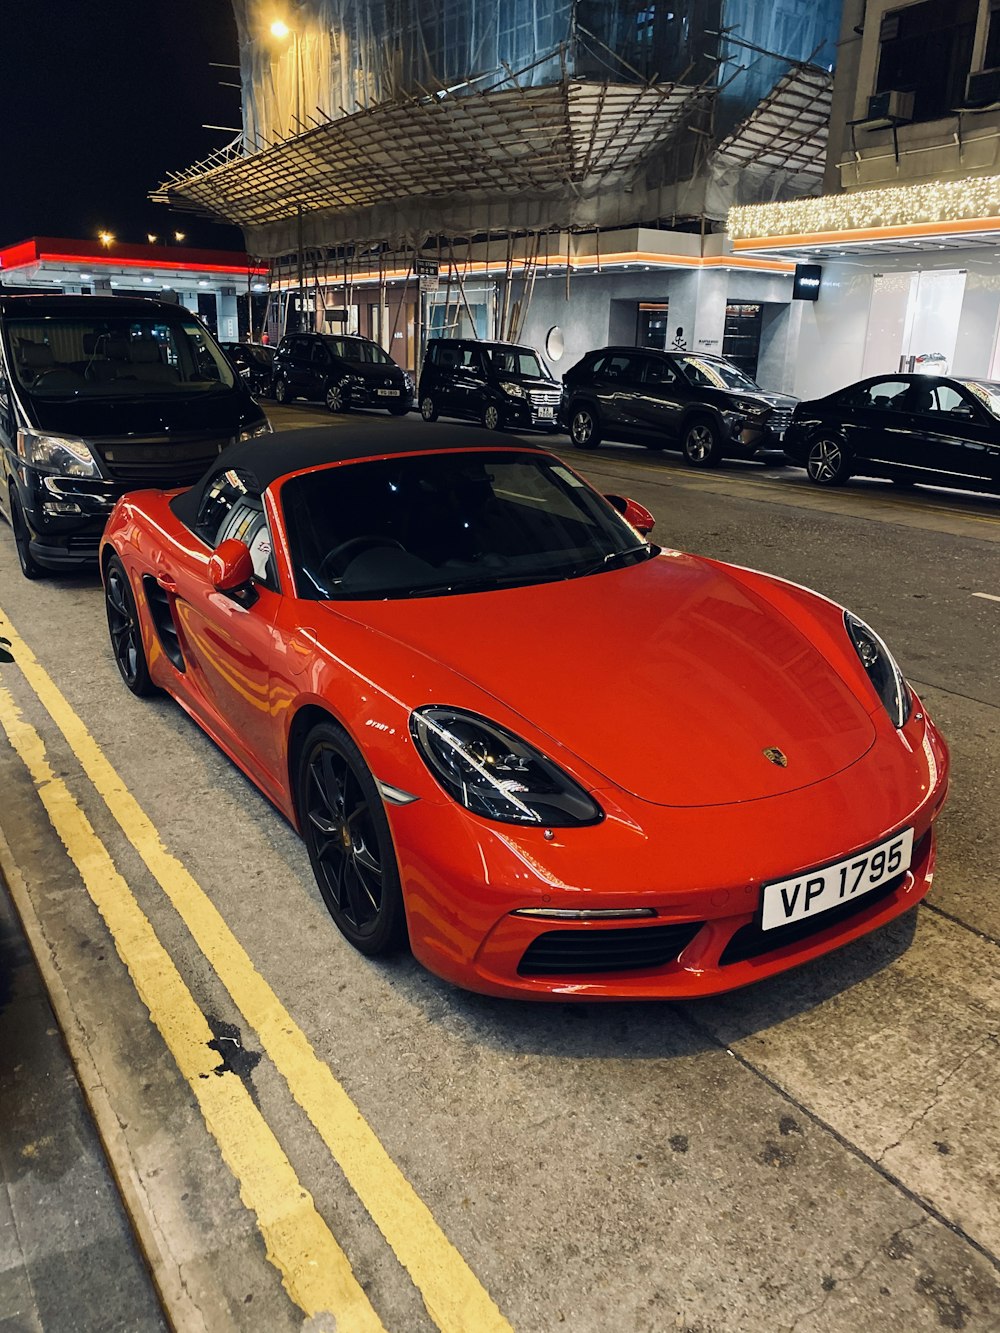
[[977, 197]]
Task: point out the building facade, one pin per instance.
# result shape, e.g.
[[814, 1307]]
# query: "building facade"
[[908, 227], [410, 169]]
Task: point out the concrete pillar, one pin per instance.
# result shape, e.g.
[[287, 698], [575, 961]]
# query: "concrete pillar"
[[710, 312], [226, 316]]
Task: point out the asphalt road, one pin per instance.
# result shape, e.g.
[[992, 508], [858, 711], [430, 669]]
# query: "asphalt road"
[[818, 1153]]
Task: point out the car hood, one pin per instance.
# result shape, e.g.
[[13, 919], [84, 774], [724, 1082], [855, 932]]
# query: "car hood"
[[217, 412], [530, 381], [772, 399], [375, 374], [669, 678]]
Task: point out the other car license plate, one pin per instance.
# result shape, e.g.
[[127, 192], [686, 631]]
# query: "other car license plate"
[[388, 393], [817, 891], [545, 413]]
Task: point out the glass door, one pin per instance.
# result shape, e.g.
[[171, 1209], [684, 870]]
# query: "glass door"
[[913, 322]]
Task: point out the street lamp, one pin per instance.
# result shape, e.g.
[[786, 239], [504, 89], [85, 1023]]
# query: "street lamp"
[[179, 236], [106, 238], [151, 238]]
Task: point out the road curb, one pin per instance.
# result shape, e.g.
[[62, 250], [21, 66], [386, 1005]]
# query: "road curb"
[[177, 1306]]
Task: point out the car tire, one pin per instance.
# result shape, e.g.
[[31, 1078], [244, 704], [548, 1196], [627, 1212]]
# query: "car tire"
[[584, 426], [347, 835], [282, 392], [399, 409], [125, 630], [492, 419], [428, 408], [826, 461], [30, 567], [701, 444], [336, 399]]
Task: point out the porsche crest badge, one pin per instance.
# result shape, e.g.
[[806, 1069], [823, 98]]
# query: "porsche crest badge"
[[776, 756]]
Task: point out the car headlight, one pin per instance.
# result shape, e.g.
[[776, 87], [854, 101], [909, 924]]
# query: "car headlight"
[[883, 670], [252, 432], [514, 390], [65, 454], [750, 407], [493, 773]]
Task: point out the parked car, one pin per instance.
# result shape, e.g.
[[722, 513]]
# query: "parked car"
[[503, 385], [702, 405], [377, 631], [98, 396], [908, 427], [342, 371], [255, 362]]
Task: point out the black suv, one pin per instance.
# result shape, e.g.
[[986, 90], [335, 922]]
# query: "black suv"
[[342, 370], [503, 385], [702, 405]]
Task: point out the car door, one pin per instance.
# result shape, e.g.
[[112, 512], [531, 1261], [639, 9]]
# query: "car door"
[[659, 398], [320, 365], [227, 640], [617, 379], [876, 424], [955, 438], [468, 384]]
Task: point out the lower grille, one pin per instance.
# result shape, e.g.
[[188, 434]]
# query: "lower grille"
[[629, 948], [780, 419], [82, 545]]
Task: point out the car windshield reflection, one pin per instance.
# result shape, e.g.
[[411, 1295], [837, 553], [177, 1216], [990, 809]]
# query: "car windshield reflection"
[[426, 526]]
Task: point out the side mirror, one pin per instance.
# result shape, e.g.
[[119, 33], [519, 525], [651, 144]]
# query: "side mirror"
[[231, 567], [633, 512], [964, 410]]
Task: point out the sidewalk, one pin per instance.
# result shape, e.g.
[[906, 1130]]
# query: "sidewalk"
[[68, 1261]]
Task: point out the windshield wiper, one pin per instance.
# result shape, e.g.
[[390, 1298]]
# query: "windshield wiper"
[[611, 559]]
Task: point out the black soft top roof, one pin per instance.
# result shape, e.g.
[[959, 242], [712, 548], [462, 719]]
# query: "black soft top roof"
[[269, 457]]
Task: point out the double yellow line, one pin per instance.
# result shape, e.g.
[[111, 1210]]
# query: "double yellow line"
[[315, 1271]]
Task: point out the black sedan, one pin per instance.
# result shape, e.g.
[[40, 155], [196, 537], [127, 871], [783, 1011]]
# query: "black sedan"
[[909, 428], [254, 362]]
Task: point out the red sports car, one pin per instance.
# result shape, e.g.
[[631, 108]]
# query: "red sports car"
[[558, 760]]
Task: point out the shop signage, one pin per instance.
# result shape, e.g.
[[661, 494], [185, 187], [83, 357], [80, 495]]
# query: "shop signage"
[[426, 268], [807, 281]]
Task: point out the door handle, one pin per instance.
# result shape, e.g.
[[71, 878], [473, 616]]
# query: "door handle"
[[167, 583]]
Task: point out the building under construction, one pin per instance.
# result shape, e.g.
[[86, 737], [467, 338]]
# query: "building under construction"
[[416, 166]]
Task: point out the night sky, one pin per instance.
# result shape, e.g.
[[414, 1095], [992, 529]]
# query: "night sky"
[[102, 100]]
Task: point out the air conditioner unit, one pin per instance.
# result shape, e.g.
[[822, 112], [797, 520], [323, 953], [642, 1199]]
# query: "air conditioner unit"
[[890, 105], [983, 87]]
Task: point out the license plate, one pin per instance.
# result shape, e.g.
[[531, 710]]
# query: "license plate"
[[819, 890], [545, 413], [388, 393]]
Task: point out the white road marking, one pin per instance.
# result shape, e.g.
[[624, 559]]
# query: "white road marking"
[[987, 596]]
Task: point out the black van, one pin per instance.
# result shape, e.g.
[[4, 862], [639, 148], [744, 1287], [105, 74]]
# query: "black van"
[[503, 385], [100, 395], [342, 370]]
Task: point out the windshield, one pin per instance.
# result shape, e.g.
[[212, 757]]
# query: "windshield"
[[358, 349], [987, 392], [77, 356], [429, 525], [715, 374], [517, 361]]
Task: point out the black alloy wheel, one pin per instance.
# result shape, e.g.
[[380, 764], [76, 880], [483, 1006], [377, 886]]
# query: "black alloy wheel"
[[428, 408], [584, 426], [826, 462], [701, 445], [337, 399], [30, 567], [282, 393], [492, 419], [350, 847], [125, 630]]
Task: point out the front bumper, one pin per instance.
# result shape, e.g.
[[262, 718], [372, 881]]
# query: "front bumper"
[[700, 871], [362, 395], [66, 516]]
